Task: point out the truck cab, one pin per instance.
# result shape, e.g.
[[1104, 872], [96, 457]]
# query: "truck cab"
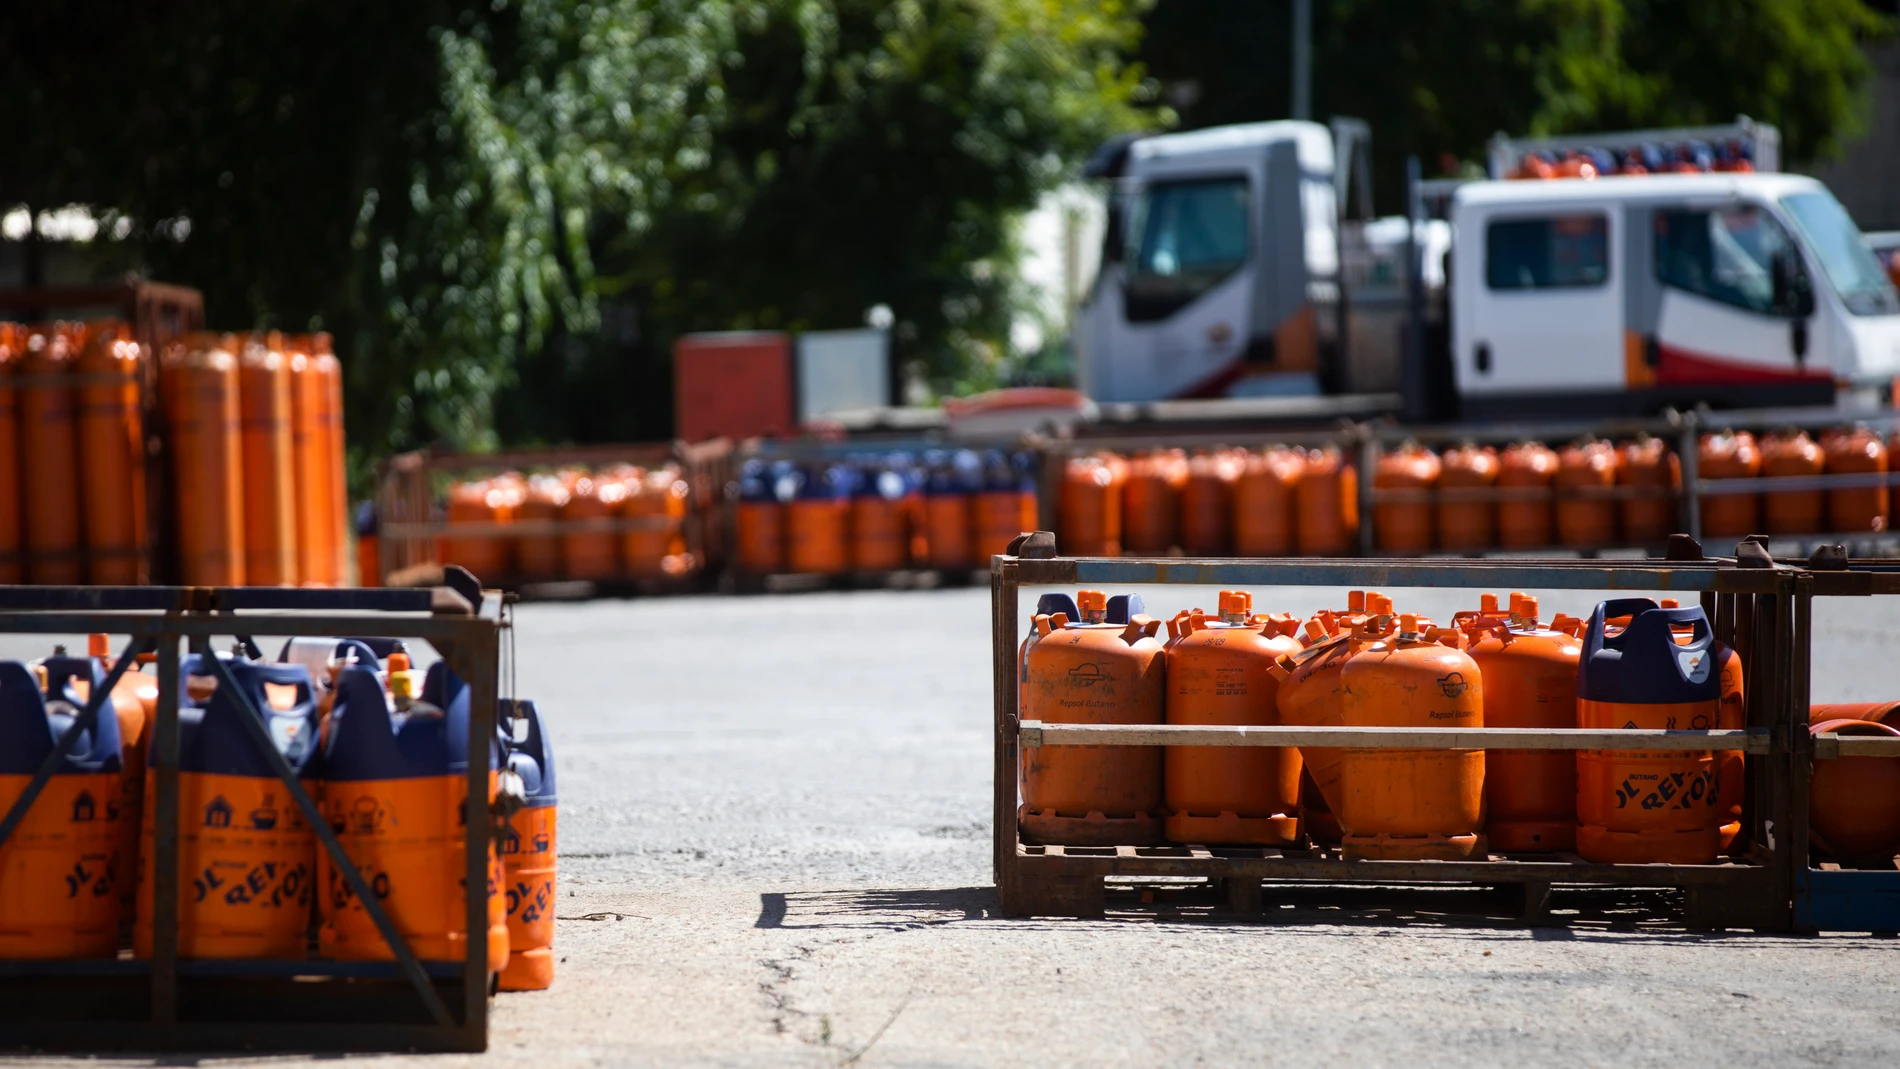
[[1220, 265], [1626, 293]]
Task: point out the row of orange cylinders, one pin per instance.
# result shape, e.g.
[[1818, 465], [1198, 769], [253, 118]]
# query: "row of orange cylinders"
[[1360, 666], [1527, 496], [1851, 450], [650, 542], [871, 533], [1279, 501], [256, 442]]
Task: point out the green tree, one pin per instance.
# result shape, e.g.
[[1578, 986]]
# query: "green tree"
[[1439, 79]]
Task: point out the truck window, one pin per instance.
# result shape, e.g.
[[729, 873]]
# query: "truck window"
[[1184, 238], [1856, 273], [1552, 253], [1724, 254]]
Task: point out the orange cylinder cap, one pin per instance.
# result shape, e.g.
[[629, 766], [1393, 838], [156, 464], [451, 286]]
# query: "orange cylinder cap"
[[1378, 604], [1356, 600], [1091, 601], [1408, 623], [1525, 605], [1487, 603], [97, 645], [1670, 603], [1315, 630], [1235, 602]]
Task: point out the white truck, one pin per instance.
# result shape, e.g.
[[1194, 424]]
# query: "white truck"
[[1228, 270]]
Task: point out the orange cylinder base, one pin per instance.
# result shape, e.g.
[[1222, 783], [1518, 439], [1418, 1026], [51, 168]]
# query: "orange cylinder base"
[[528, 970], [1531, 836], [1232, 829], [1697, 846], [1046, 826], [1386, 847]]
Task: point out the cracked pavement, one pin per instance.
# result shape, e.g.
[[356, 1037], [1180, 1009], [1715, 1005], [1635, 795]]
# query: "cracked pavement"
[[775, 835]]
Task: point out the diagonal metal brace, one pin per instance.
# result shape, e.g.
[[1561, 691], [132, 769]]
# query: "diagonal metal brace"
[[87, 718], [254, 727]]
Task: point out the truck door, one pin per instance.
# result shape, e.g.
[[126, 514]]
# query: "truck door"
[[1734, 299], [1542, 313]]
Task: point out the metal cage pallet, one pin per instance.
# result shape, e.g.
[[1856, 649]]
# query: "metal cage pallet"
[[1760, 607], [166, 1003], [412, 526]]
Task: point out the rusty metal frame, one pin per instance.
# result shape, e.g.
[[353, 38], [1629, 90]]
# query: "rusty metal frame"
[[282, 1005], [1754, 890]]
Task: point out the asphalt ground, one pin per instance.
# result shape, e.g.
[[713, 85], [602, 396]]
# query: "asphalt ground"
[[775, 851]]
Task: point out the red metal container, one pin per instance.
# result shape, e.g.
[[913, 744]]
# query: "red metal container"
[[733, 385]]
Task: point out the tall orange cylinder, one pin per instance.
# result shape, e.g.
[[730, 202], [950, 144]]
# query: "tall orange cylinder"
[[1151, 501], [658, 498], [1264, 494], [470, 503], [1311, 695], [49, 454], [1091, 507], [1785, 453], [1220, 672], [1422, 804], [1093, 671], [1207, 504], [591, 554], [1729, 455], [200, 387], [1467, 522], [1328, 504], [1530, 681], [1650, 467], [12, 355], [269, 493], [330, 514], [1855, 451], [1525, 473], [112, 457], [1405, 525], [538, 555], [1586, 481]]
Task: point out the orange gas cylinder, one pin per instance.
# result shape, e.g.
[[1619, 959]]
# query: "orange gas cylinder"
[[947, 526], [200, 390], [269, 488], [880, 533], [528, 857], [1854, 802], [658, 546], [1006, 505], [1091, 507], [1729, 455], [1647, 807], [1207, 504], [1790, 452], [1405, 526], [758, 521], [1732, 765], [1887, 713], [12, 354], [1420, 804], [1263, 502], [112, 457], [816, 523], [1525, 473], [308, 439], [246, 856], [1530, 681], [49, 454], [1151, 501], [60, 873], [481, 502], [1311, 695], [70, 679], [1648, 465], [592, 554], [329, 510], [538, 556], [1219, 672], [1093, 671], [1328, 504], [1856, 451], [1586, 481], [395, 789], [1467, 523]]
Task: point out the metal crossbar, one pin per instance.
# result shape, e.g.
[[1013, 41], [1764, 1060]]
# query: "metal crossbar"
[[1039, 733]]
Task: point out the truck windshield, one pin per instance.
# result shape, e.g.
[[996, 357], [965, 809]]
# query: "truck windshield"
[[1837, 243], [1184, 238]]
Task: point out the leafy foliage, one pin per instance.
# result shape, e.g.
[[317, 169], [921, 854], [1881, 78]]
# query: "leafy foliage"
[[1439, 79]]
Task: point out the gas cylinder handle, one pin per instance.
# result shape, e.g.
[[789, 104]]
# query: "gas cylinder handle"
[[1593, 636], [1044, 625]]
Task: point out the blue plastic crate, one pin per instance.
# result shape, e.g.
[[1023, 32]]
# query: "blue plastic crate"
[[1847, 900]]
